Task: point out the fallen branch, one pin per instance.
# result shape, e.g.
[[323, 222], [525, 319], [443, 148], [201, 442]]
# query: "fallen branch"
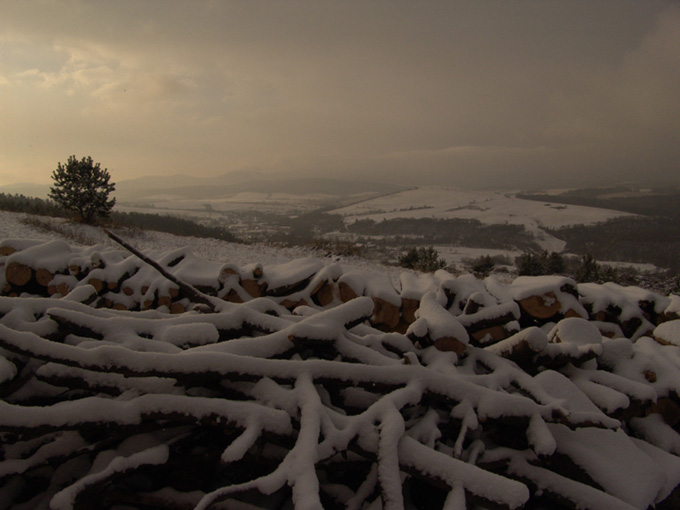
[[189, 290]]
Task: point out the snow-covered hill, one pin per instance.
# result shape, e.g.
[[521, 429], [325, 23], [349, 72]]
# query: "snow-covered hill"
[[12, 227], [490, 207]]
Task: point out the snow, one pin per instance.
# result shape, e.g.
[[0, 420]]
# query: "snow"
[[371, 283], [65, 500], [575, 330], [655, 431], [20, 236], [579, 406], [8, 370], [313, 390], [540, 437], [603, 297], [490, 313], [189, 334], [292, 272], [437, 321], [527, 286], [668, 332], [582, 496], [489, 207], [463, 287], [613, 461], [673, 305], [652, 362], [668, 464], [52, 255], [414, 285], [535, 339]]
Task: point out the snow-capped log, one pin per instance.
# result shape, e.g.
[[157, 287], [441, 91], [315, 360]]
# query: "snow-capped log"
[[667, 333], [323, 288], [672, 311], [546, 298], [631, 310], [46, 259], [290, 277], [491, 324], [386, 300], [412, 288], [434, 325], [521, 347], [310, 396]]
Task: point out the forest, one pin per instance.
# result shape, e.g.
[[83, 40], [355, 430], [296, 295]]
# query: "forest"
[[454, 231], [653, 238]]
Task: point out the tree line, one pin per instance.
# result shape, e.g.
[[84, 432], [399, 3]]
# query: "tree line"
[[653, 240], [144, 221], [454, 231]]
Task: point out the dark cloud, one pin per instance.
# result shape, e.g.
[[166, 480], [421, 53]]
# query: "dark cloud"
[[465, 92]]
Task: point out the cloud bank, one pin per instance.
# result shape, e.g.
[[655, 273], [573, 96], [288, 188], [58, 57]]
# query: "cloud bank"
[[490, 93]]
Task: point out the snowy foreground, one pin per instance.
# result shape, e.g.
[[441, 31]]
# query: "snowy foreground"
[[306, 384]]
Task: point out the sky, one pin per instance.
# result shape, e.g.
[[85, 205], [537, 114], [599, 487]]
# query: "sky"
[[478, 93]]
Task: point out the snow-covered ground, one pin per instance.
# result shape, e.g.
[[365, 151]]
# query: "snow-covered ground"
[[490, 207], [503, 394], [214, 250]]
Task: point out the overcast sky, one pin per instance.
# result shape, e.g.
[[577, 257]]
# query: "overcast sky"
[[482, 93]]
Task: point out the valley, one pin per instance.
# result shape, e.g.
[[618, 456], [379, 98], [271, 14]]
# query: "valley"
[[622, 225], [382, 222]]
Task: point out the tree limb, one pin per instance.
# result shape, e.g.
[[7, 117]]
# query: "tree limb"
[[189, 290]]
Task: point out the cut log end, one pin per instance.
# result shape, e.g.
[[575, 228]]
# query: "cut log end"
[[385, 313], [450, 344], [97, 283], [43, 276], [18, 274], [346, 292], [252, 287], [543, 306]]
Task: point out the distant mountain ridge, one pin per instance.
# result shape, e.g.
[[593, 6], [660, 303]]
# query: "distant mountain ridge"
[[190, 187], [185, 187], [27, 189]]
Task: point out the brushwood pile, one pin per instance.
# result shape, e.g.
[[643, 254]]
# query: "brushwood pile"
[[304, 385]]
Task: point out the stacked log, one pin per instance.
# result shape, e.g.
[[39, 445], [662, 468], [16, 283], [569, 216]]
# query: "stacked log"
[[490, 311], [257, 406]]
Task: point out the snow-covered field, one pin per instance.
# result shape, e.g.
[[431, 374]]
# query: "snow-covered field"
[[209, 249], [490, 207]]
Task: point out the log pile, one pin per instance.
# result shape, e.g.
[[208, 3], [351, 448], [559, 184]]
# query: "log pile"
[[300, 386], [489, 310]]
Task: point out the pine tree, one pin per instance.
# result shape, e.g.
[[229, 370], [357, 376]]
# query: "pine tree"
[[424, 259], [589, 270], [483, 266], [529, 264], [83, 187]]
